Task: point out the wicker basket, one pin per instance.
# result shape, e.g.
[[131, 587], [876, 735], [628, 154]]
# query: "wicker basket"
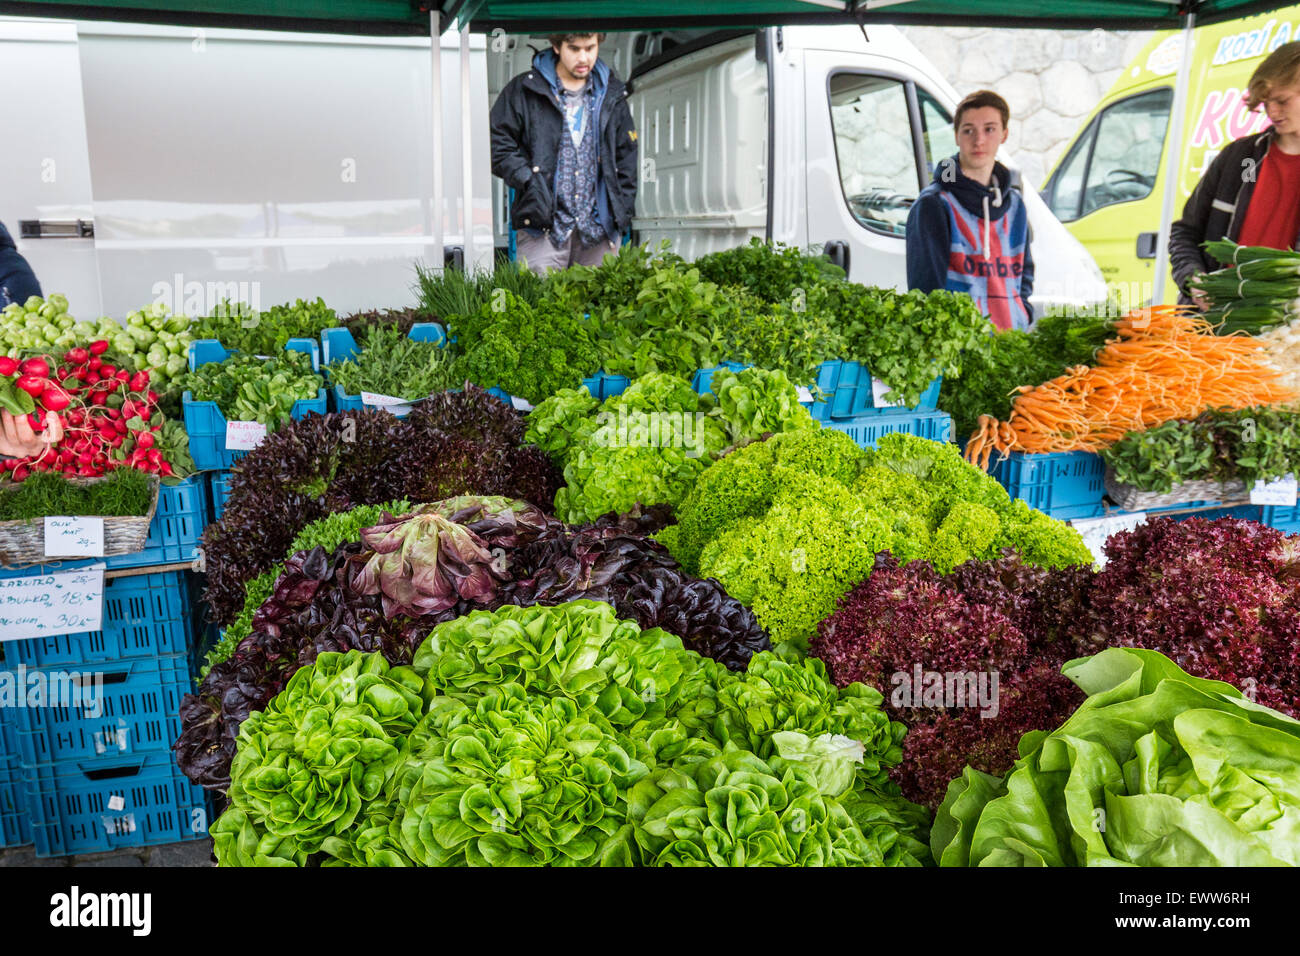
[[22, 543], [1131, 499]]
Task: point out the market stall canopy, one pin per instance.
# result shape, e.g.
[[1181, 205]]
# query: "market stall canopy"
[[412, 17]]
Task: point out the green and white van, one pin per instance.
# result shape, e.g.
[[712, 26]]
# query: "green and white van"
[[1109, 184]]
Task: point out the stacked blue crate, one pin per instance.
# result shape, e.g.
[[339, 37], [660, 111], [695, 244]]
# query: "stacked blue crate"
[[88, 766]]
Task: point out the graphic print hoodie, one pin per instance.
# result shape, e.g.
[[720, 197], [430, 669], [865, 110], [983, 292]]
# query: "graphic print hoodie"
[[965, 237]]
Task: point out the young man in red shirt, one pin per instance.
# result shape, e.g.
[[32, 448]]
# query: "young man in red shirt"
[[1251, 192]]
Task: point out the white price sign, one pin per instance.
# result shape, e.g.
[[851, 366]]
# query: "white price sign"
[[244, 436], [42, 605], [805, 394], [522, 404], [74, 537], [878, 391], [1280, 492], [398, 406]]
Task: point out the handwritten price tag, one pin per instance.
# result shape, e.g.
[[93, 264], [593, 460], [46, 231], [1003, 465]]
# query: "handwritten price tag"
[[1280, 492], [805, 395], [878, 391], [79, 537], [522, 404], [42, 605], [244, 436], [398, 406]]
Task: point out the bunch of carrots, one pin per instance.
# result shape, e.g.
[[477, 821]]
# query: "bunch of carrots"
[[1165, 364]]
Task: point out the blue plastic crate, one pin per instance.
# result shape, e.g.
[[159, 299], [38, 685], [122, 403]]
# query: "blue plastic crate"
[[203, 351], [1283, 518], [339, 344], [848, 394], [174, 533], [936, 426], [1064, 485], [134, 710], [206, 424], [15, 828], [609, 385], [219, 482], [144, 615], [90, 807]]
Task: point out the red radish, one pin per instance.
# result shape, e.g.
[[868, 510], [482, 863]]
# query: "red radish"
[[145, 440], [8, 365], [139, 381], [55, 399], [77, 356], [99, 348], [31, 384], [37, 420], [21, 472], [98, 398], [35, 366]]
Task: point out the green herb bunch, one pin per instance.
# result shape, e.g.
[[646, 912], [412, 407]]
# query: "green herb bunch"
[[253, 389], [390, 363], [1252, 444], [123, 492], [238, 327]]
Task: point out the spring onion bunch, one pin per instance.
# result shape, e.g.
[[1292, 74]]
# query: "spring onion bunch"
[[1257, 291]]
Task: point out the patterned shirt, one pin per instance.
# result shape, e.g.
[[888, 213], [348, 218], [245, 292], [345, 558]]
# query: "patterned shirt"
[[575, 176]]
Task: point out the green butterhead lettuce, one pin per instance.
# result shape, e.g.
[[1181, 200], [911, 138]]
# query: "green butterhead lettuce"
[[1155, 768]]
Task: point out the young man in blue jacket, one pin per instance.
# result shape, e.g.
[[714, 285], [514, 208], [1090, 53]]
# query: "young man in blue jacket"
[[563, 139], [968, 231]]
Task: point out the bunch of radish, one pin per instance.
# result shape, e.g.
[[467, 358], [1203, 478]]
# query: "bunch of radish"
[[109, 414]]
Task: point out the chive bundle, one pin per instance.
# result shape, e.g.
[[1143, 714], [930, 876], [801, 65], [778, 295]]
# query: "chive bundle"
[[1259, 290]]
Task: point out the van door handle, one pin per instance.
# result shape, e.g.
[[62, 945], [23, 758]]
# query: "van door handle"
[[1147, 242], [837, 250], [56, 229]]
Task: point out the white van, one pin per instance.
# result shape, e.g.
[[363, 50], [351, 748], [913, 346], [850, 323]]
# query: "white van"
[[805, 135]]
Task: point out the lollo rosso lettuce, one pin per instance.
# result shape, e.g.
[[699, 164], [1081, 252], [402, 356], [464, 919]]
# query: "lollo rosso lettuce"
[[1155, 768]]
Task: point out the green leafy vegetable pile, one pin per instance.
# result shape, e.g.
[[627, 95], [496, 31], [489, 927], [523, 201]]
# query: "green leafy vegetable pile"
[[530, 351], [120, 493], [1247, 445], [907, 339], [251, 389], [239, 327], [1155, 768], [772, 271], [564, 736], [390, 363], [791, 524], [649, 444]]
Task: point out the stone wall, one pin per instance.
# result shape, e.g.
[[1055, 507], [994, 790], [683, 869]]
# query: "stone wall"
[[1052, 79]]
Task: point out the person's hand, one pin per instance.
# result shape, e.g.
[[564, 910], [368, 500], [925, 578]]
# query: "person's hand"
[[19, 440], [1198, 297]]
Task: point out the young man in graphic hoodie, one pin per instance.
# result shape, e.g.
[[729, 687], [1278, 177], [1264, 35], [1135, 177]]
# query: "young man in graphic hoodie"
[[563, 139], [968, 231]]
